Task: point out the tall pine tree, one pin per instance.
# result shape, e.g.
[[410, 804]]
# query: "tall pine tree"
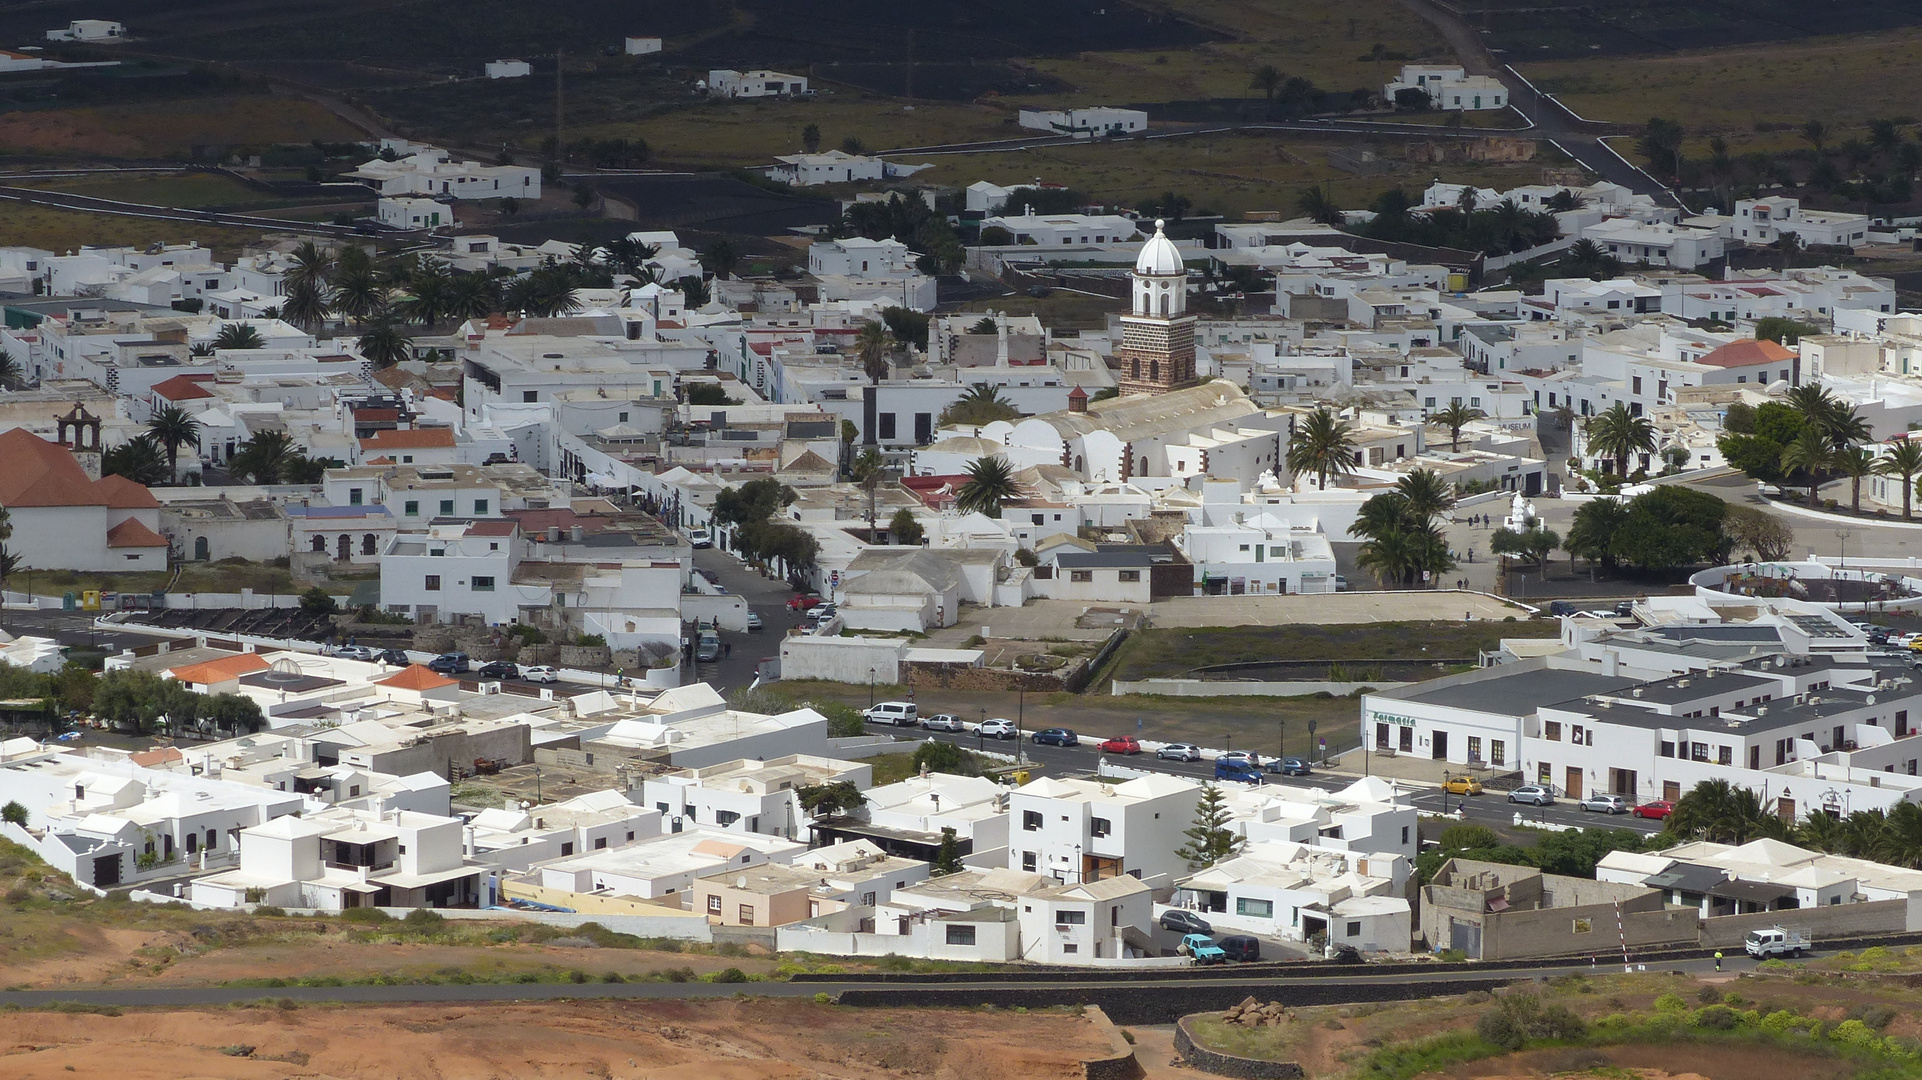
[[1209, 839]]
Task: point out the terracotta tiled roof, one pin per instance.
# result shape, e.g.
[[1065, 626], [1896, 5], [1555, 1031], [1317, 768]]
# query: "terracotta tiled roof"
[[417, 677], [181, 388], [414, 439], [132, 534], [1747, 354], [120, 493], [221, 670], [40, 473]]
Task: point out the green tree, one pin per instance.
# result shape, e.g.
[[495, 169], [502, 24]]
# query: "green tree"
[[753, 502], [306, 304], [1904, 459], [990, 483], [1723, 813], [12, 375], [139, 459], [584, 195], [945, 757], [382, 342], [1855, 463], [985, 327], [1764, 536], [979, 406], [1426, 494], [1210, 840], [316, 601], [429, 296], [1318, 203], [1783, 331], [905, 530], [811, 138], [473, 296], [721, 258], [1592, 534], [1616, 433], [1535, 545], [238, 336], [1324, 445], [172, 428], [827, 800], [1456, 417], [1670, 527], [707, 393], [1758, 451], [948, 859], [1267, 78], [262, 458], [13, 813], [1809, 455]]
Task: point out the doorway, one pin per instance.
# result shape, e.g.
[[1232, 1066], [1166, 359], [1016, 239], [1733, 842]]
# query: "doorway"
[[1439, 741], [1572, 781], [1407, 740], [1622, 782], [1671, 790]]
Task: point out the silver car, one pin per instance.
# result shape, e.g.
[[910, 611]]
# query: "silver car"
[[1180, 751], [1533, 794], [942, 722], [1605, 804]]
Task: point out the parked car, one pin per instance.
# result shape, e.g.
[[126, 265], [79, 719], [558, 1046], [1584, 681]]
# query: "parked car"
[[1121, 744], [898, 713], [540, 673], [1185, 922], [1202, 948], [700, 538], [1056, 736], [1229, 769], [393, 656], [942, 722], [452, 663], [1240, 755], [1290, 766], [1533, 794], [802, 602], [1604, 804], [1179, 751], [1241, 948], [708, 650], [355, 652], [500, 669], [1656, 809], [754, 622], [999, 729], [1463, 785], [1341, 583], [1777, 941]]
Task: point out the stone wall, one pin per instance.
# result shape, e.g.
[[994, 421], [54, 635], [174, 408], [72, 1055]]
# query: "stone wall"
[[1160, 1004], [1119, 1062], [1210, 1061]]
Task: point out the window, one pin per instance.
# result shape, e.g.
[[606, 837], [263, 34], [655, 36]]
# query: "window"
[[747, 914], [1100, 826], [413, 508], [353, 497], [724, 818], [1070, 948], [1027, 861], [714, 905], [623, 418], [960, 935], [483, 584], [1353, 930], [433, 583], [530, 395], [1668, 749], [1070, 918], [1725, 755], [1698, 751], [1081, 575], [1258, 909], [867, 899], [1552, 730], [1030, 820], [447, 506], [1130, 577], [885, 426], [480, 506], [1404, 834], [600, 842]]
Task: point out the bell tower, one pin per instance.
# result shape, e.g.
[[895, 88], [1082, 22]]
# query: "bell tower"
[[1157, 351]]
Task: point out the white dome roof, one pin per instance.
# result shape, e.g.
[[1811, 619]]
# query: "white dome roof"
[[1159, 256]]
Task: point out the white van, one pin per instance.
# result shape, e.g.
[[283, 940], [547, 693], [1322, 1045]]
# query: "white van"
[[898, 713]]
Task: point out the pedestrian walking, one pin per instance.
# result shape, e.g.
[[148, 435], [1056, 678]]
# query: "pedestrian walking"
[[727, 649], [1718, 959]]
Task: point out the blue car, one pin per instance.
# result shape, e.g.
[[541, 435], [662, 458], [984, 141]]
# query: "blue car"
[[1290, 766], [1056, 736], [1232, 769]]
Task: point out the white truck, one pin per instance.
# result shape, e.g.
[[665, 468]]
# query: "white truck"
[[1777, 941]]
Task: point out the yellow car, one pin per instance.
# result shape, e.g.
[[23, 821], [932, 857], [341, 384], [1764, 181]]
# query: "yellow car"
[[1463, 785]]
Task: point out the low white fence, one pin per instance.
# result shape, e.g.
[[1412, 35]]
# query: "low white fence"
[[678, 927], [1210, 688]]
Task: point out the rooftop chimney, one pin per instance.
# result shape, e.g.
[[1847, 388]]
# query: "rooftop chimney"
[[1077, 400]]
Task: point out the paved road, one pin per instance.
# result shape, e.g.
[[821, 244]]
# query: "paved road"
[[188, 997], [62, 201]]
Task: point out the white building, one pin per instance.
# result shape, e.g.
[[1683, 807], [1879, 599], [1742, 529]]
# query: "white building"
[[1657, 245], [1094, 122], [404, 212], [1296, 891], [1065, 230], [63, 519], [432, 171], [341, 858], [748, 795], [1449, 87], [1080, 831], [643, 46], [1261, 554], [465, 568], [727, 83], [1762, 221], [97, 31], [663, 867], [508, 69]]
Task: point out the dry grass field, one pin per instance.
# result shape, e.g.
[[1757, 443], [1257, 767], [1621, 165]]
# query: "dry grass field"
[[170, 129]]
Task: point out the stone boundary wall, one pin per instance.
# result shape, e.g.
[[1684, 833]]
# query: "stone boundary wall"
[[1220, 1064], [1119, 1063]]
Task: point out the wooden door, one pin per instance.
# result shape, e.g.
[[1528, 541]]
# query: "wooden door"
[[1572, 782]]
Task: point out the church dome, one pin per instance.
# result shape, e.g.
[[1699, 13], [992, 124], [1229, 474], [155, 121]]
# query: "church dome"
[[1159, 256]]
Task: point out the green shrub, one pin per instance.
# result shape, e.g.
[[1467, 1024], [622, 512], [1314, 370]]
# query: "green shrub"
[[730, 975], [271, 911], [1717, 1018], [365, 915], [822, 998], [424, 919], [1708, 995], [1671, 1003]]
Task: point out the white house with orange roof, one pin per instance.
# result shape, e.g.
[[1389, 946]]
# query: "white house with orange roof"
[[413, 446], [64, 519], [416, 685], [221, 676]]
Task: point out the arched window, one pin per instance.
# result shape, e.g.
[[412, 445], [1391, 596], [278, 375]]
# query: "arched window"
[[1164, 305], [1154, 370], [320, 545], [369, 544]]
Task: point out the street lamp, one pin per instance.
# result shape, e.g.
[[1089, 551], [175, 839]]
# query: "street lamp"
[[1020, 721], [980, 737], [1444, 792], [871, 672]]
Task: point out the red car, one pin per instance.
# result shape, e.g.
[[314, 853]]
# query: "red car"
[[1122, 744], [1657, 809], [803, 602]]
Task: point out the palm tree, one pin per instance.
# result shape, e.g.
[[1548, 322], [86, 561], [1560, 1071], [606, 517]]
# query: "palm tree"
[[357, 287], [139, 460], [263, 458], [238, 336], [1465, 202], [1426, 494], [1319, 205], [1390, 557], [1592, 534], [1816, 133], [1267, 79], [12, 375], [1822, 831], [382, 342], [428, 287], [1512, 221], [172, 428], [1614, 433], [990, 483], [874, 343], [1902, 836], [1456, 417], [1809, 455], [544, 294], [472, 296], [1720, 812], [1322, 444], [1855, 463], [311, 267], [1904, 459], [306, 304], [981, 405]]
